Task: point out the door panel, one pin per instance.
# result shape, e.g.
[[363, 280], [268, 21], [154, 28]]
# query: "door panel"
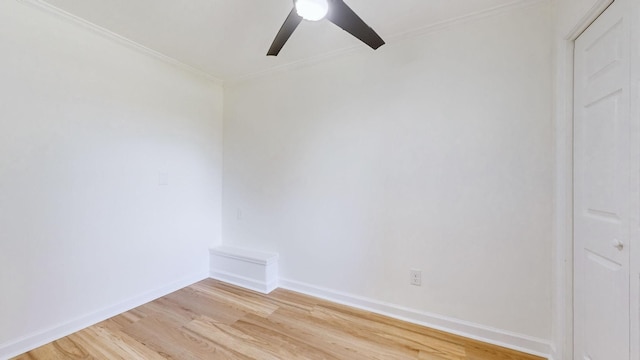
[[602, 189], [634, 12]]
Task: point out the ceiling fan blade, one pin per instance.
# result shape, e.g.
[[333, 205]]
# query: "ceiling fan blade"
[[342, 15], [290, 24]]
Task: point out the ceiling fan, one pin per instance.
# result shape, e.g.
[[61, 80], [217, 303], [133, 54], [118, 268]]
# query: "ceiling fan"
[[335, 11]]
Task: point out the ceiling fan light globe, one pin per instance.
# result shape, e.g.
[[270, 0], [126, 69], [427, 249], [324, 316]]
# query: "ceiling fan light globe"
[[312, 10]]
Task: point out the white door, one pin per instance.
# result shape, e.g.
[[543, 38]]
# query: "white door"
[[602, 188]]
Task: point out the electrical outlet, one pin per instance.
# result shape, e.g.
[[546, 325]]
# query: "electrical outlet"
[[415, 277]]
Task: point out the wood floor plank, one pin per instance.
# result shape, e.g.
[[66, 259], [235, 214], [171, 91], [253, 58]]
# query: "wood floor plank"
[[232, 340], [170, 339], [107, 344], [389, 334], [213, 320], [245, 301], [346, 343], [289, 346], [128, 318], [193, 304], [62, 349]]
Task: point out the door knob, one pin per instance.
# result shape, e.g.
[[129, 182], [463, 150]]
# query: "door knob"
[[618, 244]]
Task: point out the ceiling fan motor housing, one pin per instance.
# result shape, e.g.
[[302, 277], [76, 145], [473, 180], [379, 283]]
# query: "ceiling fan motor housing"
[[312, 10]]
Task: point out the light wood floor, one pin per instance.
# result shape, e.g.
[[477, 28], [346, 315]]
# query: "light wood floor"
[[213, 320]]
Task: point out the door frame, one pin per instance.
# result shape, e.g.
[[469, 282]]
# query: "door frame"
[[563, 218]]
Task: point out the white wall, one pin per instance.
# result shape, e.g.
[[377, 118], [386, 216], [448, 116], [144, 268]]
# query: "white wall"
[[433, 153], [87, 128]]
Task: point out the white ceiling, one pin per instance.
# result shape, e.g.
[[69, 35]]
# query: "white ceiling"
[[229, 39]]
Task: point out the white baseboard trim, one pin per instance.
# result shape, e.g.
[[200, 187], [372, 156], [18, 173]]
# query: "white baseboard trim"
[[244, 282], [32, 341], [255, 270], [519, 342]]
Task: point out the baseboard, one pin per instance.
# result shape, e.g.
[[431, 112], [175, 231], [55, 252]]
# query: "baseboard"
[[255, 270], [519, 342], [30, 342], [244, 282]]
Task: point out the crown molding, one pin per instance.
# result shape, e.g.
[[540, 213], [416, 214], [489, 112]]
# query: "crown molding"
[[477, 15], [42, 5], [398, 37]]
